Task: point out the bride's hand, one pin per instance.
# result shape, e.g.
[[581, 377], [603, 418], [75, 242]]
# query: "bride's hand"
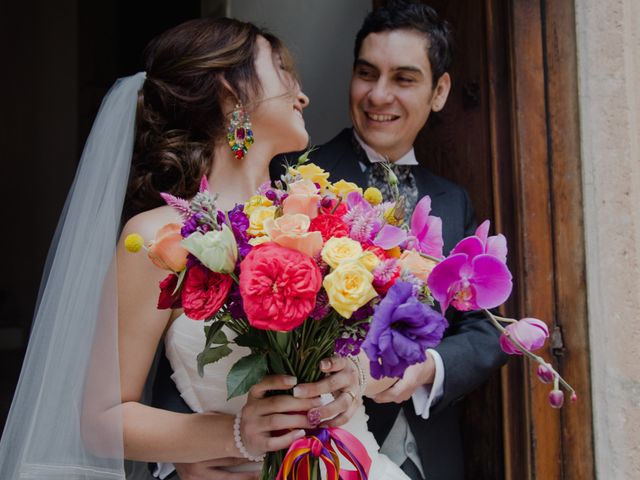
[[343, 382], [262, 416]]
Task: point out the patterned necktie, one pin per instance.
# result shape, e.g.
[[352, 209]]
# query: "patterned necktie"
[[377, 176]]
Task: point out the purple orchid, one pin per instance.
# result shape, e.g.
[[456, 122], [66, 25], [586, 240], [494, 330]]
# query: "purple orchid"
[[495, 245], [531, 333], [425, 234], [470, 278], [401, 330], [426, 230]]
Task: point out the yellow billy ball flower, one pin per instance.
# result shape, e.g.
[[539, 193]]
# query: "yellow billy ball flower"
[[134, 242], [340, 249], [373, 196], [349, 287]]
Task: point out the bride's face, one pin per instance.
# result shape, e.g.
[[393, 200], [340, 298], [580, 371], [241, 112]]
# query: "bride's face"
[[277, 115]]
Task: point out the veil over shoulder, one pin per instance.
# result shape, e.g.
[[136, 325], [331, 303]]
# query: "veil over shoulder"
[[65, 420]]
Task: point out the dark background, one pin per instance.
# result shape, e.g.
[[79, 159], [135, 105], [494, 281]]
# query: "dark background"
[[58, 60]]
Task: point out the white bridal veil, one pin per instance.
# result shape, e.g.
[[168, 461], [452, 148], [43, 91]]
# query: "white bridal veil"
[[65, 420]]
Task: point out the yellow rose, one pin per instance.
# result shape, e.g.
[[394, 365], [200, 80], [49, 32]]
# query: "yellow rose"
[[349, 288], [310, 171], [257, 218], [255, 202], [342, 188], [373, 196], [418, 265], [258, 240], [340, 249], [369, 260]]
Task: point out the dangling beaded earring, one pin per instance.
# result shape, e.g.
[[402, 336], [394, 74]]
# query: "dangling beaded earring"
[[240, 135]]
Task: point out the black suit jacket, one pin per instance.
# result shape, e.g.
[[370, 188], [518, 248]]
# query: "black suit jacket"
[[470, 349]]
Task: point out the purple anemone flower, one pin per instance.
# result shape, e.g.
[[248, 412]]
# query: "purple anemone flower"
[[470, 279], [402, 328]]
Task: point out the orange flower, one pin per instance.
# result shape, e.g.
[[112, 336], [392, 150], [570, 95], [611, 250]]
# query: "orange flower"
[[418, 265], [165, 251]]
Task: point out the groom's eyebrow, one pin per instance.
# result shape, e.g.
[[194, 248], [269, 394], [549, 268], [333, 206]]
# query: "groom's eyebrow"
[[401, 68], [363, 63]]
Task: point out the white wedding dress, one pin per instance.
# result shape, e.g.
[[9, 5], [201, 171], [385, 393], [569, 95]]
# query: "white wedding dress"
[[184, 340]]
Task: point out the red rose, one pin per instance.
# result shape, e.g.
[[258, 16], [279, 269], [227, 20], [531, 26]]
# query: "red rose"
[[204, 292], [278, 287], [340, 211], [329, 226], [167, 299]]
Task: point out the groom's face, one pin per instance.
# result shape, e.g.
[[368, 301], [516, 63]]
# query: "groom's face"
[[392, 92]]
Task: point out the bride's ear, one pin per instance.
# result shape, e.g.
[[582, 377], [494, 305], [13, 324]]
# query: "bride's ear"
[[229, 97]]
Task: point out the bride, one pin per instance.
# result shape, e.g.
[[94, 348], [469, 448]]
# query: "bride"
[[78, 409]]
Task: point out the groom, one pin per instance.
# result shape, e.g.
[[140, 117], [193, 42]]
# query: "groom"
[[402, 55]]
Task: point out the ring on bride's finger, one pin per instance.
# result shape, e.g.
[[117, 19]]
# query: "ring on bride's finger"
[[351, 394]]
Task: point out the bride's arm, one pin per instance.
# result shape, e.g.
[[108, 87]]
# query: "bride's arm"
[[152, 434]]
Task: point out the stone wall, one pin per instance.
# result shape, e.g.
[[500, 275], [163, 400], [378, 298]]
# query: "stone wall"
[[608, 38]]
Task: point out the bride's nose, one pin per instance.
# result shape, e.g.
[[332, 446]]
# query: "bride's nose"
[[303, 99]]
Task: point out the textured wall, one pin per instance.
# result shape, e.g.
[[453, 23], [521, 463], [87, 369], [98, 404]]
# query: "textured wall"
[[609, 76]]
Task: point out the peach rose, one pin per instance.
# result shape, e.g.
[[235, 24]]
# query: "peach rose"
[[303, 198], [292, 231], [418, 265], [165, 251]]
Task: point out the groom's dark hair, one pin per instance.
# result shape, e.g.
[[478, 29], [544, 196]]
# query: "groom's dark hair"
[[410, 15]]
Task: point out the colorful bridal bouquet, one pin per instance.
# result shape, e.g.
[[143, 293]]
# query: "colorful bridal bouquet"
[[308, 268]]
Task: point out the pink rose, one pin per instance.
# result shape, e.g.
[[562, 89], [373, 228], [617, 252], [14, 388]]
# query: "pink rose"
[[278, 287], [292, 231], [303, 198]]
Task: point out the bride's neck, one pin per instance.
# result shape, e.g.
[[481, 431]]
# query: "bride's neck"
[[236, 180]]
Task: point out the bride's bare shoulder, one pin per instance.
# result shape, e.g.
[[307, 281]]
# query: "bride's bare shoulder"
[[149, 222]]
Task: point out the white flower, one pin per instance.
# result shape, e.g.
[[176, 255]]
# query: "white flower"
[[217, 250]]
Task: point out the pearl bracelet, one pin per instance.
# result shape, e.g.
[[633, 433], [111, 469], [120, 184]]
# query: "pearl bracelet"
[[238, 440], [362, 379]]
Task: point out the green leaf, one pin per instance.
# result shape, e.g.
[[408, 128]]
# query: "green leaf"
[[211, 355], [211, 331], [181, 276], [245, 373]]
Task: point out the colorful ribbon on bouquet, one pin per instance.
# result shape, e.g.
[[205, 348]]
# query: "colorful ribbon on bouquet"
[[322, 444]]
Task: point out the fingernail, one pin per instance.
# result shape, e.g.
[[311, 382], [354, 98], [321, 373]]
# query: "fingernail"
[[290, 380], [318, 402], [299, 434], [313, 416], [325, 364], [297, 392]]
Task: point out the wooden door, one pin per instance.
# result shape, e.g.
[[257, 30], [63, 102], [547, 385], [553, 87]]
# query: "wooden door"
[[510, 135]]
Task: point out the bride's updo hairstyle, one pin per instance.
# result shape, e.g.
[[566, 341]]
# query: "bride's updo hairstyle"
[[179, 114]]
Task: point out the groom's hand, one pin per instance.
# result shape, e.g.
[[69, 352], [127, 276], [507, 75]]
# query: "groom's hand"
[[214, 470], [414, 377]]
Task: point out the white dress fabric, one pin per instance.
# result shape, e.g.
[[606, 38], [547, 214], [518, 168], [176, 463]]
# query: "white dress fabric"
[[184, 340]]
